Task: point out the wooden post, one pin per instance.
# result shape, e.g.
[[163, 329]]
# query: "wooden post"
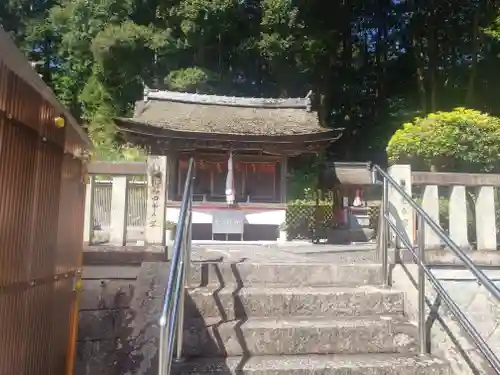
[[73, 327], [283, 232], [283, 178]]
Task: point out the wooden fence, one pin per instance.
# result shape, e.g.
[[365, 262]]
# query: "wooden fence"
[[42, 194]]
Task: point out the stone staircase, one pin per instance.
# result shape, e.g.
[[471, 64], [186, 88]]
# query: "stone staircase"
[[296, 319]]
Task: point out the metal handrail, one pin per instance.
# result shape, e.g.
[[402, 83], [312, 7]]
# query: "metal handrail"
[[172, 316], [424, 271]]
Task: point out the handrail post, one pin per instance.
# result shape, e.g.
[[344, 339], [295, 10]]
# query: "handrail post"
[[425, 273], [182, 298], [185, 265], [162, 364], [422, 329], [189, 230], [172, 316], [384, 232]]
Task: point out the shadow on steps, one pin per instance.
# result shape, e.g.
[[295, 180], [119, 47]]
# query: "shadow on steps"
[[137, 353]]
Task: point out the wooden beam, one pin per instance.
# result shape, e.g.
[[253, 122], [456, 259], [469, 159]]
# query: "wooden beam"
[[222, 156]]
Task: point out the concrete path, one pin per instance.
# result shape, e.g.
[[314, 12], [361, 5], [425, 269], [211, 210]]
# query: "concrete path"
[[284, 253]]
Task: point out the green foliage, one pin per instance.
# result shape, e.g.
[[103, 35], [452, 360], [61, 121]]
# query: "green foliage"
[[99, 110], [301, 182], [214, 17], [190, 80], [302, 179], [372, 65], [493, 30], [459, 140]]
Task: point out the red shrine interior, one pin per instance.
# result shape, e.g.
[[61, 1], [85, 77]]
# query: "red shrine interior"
[[257, 179]]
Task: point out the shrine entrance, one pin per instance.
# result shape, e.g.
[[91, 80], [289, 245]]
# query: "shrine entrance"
[[241, 147]]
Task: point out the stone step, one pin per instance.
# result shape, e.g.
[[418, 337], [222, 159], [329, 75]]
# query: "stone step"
[[285, 274], [229, 303], [267, 336], [374, 364]]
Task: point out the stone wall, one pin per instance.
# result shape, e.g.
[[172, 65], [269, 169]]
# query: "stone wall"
[[447, 338], [104, 301], [108, 282]]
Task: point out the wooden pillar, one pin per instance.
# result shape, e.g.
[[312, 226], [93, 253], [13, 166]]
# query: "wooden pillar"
[[283, 232], [283, 178], [172, 162]]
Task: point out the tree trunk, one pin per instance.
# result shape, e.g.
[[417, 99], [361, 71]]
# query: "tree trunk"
[[422, 92], [323, 108], [469, 100], [433, 56], [416, 32]]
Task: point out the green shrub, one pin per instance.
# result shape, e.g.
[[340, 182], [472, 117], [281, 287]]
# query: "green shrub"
[[462, 140]]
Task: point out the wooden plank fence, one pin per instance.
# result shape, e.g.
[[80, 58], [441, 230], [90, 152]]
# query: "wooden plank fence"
[[42, 194]]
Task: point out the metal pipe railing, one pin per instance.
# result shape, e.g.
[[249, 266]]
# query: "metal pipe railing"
[[386, 225], [172, 316]]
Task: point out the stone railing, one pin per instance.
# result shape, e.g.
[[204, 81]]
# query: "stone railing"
[[464, 204], [125, 203]]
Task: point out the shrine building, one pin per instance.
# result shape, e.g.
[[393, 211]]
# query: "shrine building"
[[255, 137]]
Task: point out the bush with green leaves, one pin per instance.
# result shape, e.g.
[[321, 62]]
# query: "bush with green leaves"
[[190, 80], [462, 140]]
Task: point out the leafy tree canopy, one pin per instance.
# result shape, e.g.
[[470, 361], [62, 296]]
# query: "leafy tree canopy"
[[459, 140], [371, 64]]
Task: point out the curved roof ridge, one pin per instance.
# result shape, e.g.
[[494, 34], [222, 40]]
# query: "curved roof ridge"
[[233, 101]]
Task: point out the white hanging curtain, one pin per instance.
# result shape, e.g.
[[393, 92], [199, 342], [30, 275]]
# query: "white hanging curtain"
[[230, 181]]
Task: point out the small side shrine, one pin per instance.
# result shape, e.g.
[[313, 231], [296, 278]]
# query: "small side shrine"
[[241, 147]]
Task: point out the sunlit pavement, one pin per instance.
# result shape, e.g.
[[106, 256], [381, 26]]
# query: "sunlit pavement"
[[283, 253]]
